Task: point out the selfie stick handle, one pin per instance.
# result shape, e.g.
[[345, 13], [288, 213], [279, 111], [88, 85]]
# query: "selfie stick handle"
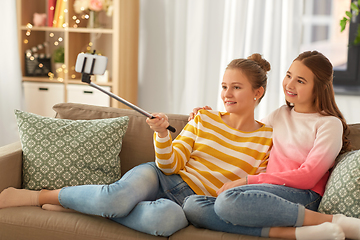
[[85, 77]]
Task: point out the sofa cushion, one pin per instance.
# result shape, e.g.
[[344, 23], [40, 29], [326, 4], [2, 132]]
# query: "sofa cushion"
[[37, 224], [342, 192], [138, 144], [62, 152]]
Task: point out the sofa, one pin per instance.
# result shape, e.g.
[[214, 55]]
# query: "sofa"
[[34, 223]]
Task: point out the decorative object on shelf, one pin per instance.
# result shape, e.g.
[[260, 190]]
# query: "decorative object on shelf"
[[37, 64], [93, 21], [351, 16], [51, 12], [58, 57], [59, 14], [39, 19], [92, 9]]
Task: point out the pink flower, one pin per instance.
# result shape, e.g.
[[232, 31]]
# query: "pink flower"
[[96, 5]]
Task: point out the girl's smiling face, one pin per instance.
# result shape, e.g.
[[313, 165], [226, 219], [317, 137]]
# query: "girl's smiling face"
[[298, 86], [237, 92]]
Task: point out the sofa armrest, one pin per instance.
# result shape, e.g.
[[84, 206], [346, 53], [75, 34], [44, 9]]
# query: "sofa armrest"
[[10, 166]]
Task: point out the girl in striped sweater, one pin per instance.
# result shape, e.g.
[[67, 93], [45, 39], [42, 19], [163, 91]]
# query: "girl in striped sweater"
[[213, 149]]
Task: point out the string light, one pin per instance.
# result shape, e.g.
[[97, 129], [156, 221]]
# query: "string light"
[[32, 55], [51, 76]]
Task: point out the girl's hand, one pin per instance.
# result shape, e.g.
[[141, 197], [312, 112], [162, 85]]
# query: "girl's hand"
[[232, 184], [159, 124], [195, 111]]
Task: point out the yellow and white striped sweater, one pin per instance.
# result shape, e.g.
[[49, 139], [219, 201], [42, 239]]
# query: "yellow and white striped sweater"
[[208, 153]]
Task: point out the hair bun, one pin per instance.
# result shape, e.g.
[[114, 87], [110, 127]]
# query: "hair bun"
[[265, 65]]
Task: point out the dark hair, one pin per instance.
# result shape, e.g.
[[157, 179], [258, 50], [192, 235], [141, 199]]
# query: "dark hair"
[[324, 97], [255, 67]]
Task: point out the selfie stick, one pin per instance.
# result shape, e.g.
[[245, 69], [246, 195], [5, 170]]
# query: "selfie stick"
[[85, 77]]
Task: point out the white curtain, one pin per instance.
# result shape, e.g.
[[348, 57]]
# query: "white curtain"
[[269, 27], [10, 74], [185, 46]]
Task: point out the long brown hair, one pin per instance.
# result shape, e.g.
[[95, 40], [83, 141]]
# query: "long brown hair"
[[255, 67], [324, 96]]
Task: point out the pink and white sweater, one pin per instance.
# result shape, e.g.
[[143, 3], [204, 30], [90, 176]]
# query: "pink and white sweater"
[[305, 146]]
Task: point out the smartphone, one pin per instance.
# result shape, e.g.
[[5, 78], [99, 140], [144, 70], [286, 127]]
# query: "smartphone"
[[85, 61]]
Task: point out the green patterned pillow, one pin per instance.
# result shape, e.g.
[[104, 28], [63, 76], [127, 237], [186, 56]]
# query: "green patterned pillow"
[[342, 192], [62, 152]]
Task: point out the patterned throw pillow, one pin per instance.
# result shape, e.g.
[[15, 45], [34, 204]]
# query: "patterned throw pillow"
[[342, 192], [62, 152]]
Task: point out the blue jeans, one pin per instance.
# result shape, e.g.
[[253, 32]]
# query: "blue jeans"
[[251, 209], [144, 199]]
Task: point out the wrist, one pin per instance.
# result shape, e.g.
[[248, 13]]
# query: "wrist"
[[162, 134]]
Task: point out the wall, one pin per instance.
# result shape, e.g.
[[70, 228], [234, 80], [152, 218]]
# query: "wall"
[[350, 107]]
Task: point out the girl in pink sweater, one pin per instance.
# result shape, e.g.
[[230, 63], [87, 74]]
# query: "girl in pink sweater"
[[308, 134]]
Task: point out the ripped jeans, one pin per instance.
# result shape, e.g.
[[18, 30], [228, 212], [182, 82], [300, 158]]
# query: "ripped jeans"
[[251, 209], [144, 199]]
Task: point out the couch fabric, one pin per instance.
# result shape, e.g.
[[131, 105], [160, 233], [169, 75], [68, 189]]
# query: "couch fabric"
[[35, 223]]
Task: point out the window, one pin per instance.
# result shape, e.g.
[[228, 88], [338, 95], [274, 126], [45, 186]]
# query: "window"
[[347, 80], [321, 31]]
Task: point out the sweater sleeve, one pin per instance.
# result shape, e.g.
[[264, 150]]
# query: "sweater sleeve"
[[320, 159], [172, 156]]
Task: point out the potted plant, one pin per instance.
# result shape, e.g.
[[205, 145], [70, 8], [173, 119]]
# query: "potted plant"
[[58, 57], [349, 15]]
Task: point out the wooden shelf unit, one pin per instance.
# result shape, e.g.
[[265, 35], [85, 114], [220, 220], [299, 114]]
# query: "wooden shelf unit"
[[117, 39]]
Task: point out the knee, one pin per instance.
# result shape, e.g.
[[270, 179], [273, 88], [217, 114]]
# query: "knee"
[[166, 218], [190, 207], [190, 203], [197, 209], [224, 205]]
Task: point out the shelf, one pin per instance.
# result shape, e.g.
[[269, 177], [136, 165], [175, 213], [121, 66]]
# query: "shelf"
[[41, 79], [80, 30], [78, 81]]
